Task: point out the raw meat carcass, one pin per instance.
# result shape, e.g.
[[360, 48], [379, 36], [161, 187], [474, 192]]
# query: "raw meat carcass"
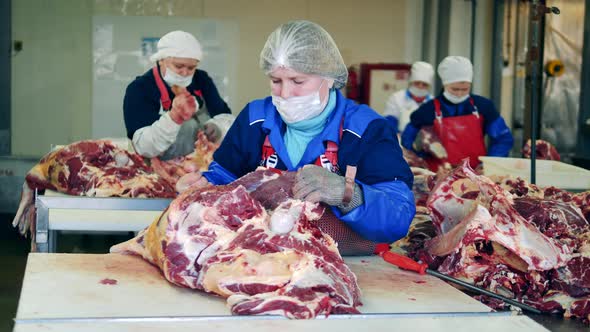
[[556, 219], [198, 160], [482, 233], [89, 168], [521, 188], [544, 150], [517, 186], [252, 243], [462, 219]]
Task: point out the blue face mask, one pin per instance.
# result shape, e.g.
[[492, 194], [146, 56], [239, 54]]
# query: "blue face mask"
[[173, 78]]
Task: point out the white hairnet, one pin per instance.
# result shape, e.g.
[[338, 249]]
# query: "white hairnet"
[[455, 69], [178, 44], [304, 47], [423, 72]]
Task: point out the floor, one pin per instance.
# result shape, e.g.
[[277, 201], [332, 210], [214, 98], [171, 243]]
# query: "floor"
[[13, 253], [14, 250]]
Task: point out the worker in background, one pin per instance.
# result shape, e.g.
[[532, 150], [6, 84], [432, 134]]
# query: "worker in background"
[[159, 107], [459, 118], [402, 103], [307, 125]]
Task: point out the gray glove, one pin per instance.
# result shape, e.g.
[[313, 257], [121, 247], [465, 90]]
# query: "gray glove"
[[212, 132], [317, 184]]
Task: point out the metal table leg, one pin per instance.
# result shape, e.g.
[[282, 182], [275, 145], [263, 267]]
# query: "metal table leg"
[[42, 225]]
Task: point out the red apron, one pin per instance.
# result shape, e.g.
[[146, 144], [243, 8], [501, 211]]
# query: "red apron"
[[462, 136]]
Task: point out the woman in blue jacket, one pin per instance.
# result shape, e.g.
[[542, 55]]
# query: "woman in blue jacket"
[[308, 125]]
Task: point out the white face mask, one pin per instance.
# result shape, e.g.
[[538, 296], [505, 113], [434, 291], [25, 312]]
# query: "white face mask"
[[173, 78], [299, 108], [416, 92], [454, 99]]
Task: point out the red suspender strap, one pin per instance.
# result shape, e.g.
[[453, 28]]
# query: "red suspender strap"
[[267, 149], [331, 153], [332, 148], [164, 97], [475, 110], [437, 111]]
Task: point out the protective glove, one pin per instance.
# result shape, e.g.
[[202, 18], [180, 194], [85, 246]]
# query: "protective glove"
[[212, 132], [317, 184]]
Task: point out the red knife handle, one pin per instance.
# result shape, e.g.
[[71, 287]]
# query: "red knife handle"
[[404, 262]]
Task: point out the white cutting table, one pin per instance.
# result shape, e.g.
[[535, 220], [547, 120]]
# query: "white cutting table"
[[69, 292], [60, 212]]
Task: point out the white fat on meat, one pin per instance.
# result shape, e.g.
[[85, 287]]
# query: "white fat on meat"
[[283, 220], [307, 275], [121, 159], [250, 267]]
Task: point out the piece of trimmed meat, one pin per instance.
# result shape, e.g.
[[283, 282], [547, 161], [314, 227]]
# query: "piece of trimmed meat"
[[544, 150]]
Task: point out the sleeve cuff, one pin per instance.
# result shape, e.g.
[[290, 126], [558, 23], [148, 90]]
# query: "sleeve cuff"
[[168, 124]]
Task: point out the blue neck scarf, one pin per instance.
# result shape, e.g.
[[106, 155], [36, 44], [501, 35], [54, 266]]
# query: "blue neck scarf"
[[299, 134]]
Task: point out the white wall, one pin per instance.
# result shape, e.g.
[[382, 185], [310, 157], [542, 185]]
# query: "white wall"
[[51, 75], [460, 40], [52, 80]]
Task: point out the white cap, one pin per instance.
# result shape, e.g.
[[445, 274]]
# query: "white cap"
[[178, 44], [455, 69], [423, 72]]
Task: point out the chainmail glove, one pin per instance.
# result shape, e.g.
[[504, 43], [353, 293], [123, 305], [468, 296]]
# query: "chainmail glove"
[[317, 184]]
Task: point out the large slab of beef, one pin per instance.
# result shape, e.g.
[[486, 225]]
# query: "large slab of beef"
[[508, 236], [95, 168], [252, 243]]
